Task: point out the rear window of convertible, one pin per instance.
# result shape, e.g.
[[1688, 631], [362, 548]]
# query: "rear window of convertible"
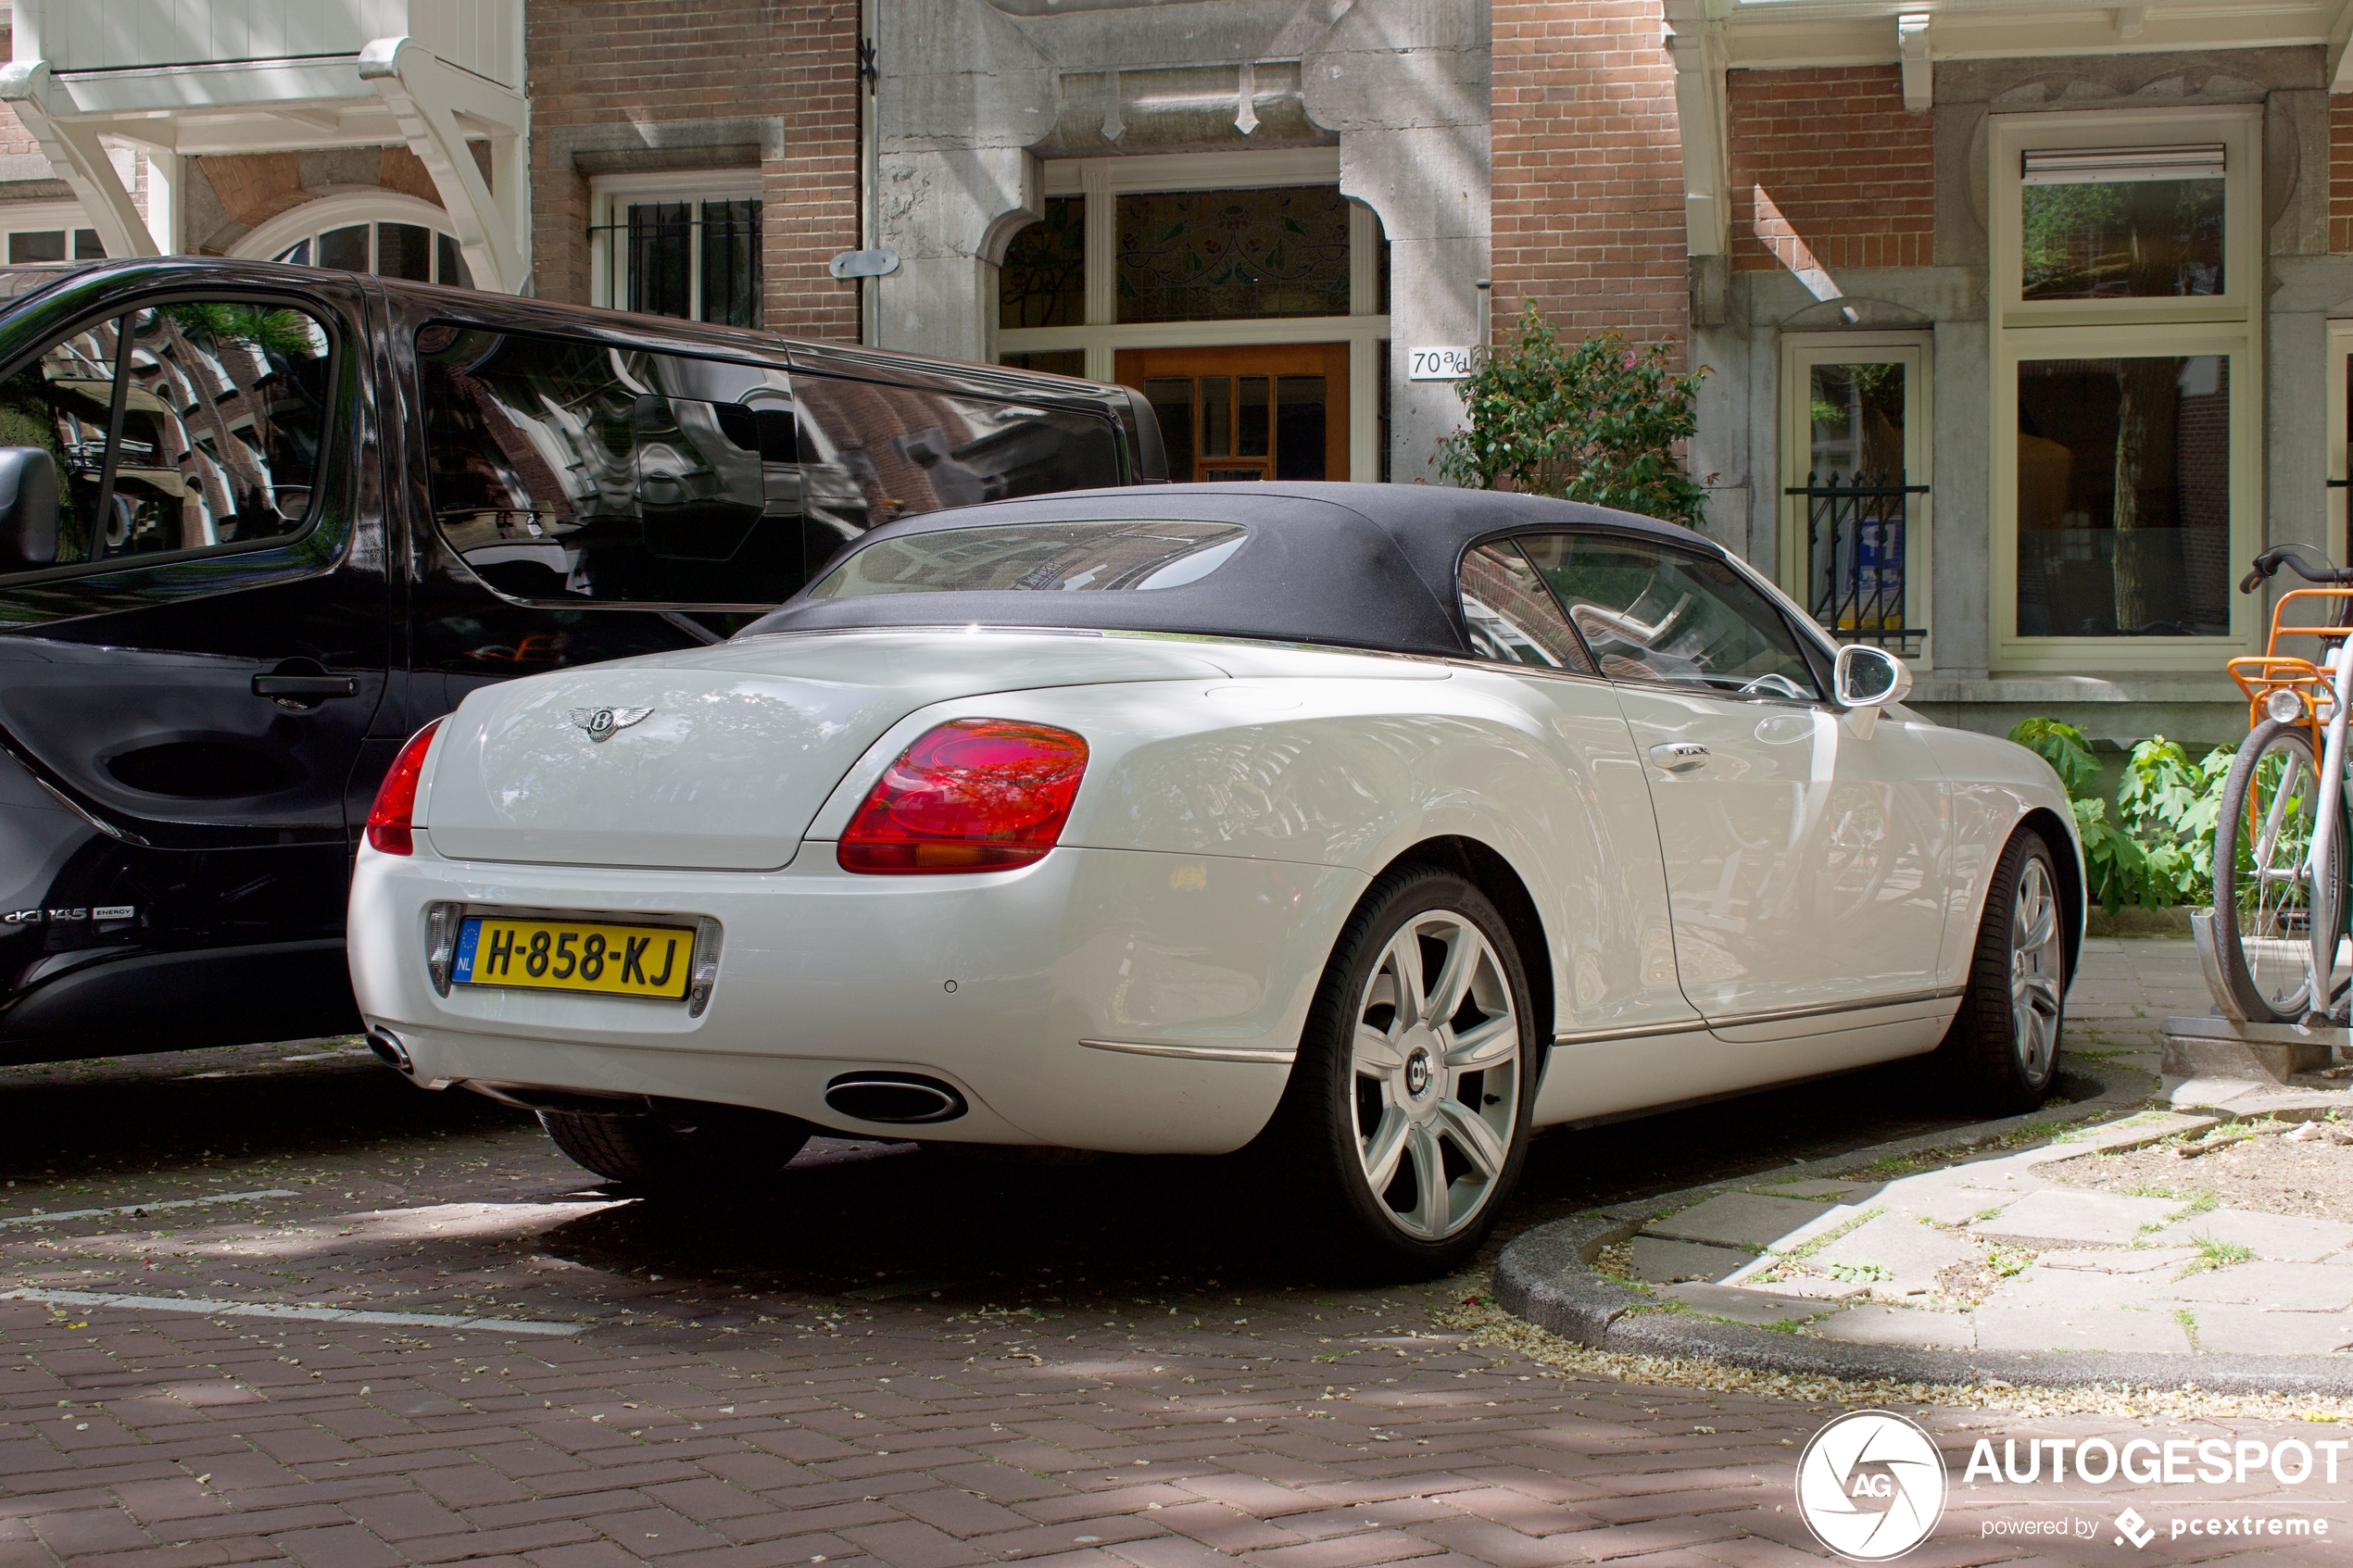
[[1035, 557]]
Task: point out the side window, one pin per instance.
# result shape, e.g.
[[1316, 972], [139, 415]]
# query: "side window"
[[1653, 613], [1510, 615], [567, 471], [188, 426], [875, 452]]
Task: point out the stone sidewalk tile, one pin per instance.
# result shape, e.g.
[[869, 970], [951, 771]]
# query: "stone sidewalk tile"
[[1912, 1252], [2078, 1217], [2066, 1290], [2280, 1239], [1745, 1220], [2252, 1331], [2088, 1328], [2287, 1287], [1664, 1263], [1349, 1551], [1941, 1199], [1506, 1547]]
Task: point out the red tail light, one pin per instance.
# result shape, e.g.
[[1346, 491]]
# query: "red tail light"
[[388, 819], [974, 794]]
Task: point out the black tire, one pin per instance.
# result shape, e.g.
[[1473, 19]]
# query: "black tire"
[[1317, 1143], [2262, 939], [1982, 1062], [678, 1148]]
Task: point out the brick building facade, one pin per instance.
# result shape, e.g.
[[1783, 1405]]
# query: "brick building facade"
[[1901, 245]]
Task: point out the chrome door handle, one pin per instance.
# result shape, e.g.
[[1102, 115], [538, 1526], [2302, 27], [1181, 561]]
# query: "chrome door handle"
[[1679, 757]]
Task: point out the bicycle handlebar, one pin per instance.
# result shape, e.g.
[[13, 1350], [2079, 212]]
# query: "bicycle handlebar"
[[2294, 556]]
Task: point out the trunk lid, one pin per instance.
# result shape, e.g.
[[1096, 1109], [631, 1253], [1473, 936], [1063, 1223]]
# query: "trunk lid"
[[718, 758]]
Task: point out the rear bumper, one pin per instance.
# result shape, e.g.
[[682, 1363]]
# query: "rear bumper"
[[1203, 967]]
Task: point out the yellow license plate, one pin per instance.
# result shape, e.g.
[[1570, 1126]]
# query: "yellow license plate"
[[574, 955]]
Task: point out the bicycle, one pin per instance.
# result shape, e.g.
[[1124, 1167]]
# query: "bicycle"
[[2280, 841]]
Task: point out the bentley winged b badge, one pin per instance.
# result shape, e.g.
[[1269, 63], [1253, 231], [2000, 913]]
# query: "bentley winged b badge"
[[601, 723]]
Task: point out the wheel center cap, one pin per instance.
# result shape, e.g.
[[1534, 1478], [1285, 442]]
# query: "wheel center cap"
[[1418, 1072]]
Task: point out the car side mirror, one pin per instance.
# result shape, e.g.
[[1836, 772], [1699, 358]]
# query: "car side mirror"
[[1866, 678], [28, 507]]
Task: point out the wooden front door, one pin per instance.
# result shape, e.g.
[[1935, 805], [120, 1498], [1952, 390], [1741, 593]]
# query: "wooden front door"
[[1274, 412]]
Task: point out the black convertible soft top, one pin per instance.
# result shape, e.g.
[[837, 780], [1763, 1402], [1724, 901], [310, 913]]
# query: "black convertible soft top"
[[1349, 565]]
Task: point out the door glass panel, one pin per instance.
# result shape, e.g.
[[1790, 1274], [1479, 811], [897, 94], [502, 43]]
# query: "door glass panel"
[[1855, 542], [1250, 411], [1225, 476], [1216, 417], [2121, 239], [1172, 401], [731, 262], [2123, 497], [1191, 256], [404, 250], [345, 248], [1299, 427], [661, 237], [1511, 617], [1653, 613], [1043, 281]]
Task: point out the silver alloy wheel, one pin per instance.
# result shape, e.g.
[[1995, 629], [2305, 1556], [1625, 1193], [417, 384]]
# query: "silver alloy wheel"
[[1436, 1074], [2034, 971]]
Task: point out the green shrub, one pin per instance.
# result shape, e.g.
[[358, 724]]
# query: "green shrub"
[[1596, 423], [2157, 848]]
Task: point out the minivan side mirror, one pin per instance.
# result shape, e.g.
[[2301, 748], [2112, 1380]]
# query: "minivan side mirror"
[[28, 507], [1866, 678]]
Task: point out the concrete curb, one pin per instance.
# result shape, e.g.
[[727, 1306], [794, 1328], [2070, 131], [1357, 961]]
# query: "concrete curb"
[[1545, 1276]]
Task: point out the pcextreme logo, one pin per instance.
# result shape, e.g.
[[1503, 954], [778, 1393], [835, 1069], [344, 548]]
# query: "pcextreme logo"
[[1870, 1485]]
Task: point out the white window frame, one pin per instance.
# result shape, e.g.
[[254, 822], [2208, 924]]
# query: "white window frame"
[[2229, 323], [42, 218], [609, 197], [2078, 654], [1916, 351], [345, 208], [1102, 181]]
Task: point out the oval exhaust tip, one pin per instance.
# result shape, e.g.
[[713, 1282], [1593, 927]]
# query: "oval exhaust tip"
[[389, 1050], [898, 1098]]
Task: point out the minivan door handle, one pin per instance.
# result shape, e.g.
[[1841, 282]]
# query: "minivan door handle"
[[1679, 757], [298, 683]]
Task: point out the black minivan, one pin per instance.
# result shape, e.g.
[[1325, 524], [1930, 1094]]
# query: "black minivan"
[[258, 523]]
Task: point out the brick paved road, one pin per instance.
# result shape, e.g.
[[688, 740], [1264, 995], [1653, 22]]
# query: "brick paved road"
[[894, 1360]]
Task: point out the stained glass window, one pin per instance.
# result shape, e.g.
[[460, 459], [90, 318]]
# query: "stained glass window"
[[1187, 256], [1043, 282]]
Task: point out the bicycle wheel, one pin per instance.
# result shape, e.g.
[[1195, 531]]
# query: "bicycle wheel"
[[2267, 905]]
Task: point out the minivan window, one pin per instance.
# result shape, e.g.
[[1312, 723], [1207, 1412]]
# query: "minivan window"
[[188, 426], [568, 470]]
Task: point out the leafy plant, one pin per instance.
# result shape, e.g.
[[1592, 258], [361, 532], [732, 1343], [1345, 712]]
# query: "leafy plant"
[[1597, 422], [1860, 1274], [2156, 849]]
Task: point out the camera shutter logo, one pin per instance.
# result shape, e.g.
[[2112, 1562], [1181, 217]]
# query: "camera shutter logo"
[[1870, 1485]]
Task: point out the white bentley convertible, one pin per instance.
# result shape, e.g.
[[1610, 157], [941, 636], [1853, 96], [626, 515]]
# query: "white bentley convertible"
[[1373, 826]]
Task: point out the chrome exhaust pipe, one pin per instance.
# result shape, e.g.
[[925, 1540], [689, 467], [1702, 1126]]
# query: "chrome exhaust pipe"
[[390, 1051], [894, 1098]]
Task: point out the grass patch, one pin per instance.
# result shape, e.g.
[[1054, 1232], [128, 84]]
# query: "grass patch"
[[2188, 1320], [2213, 1254]]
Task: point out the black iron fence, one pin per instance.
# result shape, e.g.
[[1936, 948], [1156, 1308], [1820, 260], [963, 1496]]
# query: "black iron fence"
[[1857, 578]]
